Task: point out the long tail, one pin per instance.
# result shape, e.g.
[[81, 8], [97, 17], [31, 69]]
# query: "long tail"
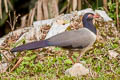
[[30, 46]]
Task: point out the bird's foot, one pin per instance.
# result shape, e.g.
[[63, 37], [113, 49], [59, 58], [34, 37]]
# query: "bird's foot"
[[73, 62], [78, 58]]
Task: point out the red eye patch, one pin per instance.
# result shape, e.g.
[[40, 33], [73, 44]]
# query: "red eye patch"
[[96, 16], [93, 16]]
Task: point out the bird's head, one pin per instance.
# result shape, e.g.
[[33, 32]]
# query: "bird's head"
[[89, 16], [87, 21]]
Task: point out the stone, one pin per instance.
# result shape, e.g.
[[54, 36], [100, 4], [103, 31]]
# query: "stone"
[[112, 54], [77, 70]]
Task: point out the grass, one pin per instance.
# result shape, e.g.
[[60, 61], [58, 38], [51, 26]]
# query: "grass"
[[52, 65]]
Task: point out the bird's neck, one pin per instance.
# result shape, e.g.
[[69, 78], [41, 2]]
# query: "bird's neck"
[[90, 26]]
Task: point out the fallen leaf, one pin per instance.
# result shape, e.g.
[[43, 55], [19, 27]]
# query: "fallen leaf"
[[112, 53]]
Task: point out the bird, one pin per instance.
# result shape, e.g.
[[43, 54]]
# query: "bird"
[[74, 40]]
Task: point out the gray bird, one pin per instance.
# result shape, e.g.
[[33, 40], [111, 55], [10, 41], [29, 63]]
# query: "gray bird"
[[81, 39]]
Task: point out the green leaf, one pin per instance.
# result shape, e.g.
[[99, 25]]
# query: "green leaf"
[[68, 61], [27, 58], [19, 42], [32, 57], [57, 48], [76, 54], [115, 46], [25, 63]]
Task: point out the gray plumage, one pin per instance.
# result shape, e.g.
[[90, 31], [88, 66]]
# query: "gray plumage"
[[73, 39]]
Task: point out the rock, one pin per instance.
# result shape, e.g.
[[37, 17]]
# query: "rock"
[[112, 54], [3, 67], [77, 70], [104, 15], [82, 12], [56, 28], [43, 22]]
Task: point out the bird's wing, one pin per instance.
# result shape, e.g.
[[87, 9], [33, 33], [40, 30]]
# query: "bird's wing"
[[74, 39]]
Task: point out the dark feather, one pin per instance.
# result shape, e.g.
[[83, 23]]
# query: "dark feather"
[[32, 45]]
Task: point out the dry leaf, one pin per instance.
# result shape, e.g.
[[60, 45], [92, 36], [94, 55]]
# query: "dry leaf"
[[113, 54]]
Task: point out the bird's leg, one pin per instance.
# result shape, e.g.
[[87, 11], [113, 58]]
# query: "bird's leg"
[[81, 54], [70, 56]]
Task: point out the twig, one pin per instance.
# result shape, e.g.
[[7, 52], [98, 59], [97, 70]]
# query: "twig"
[[4, 55], [117, 13], [6, 6], [39, 10], [45, 9], [0, 9], [10, 5], [79, 4], [105, 5], [64, 8], [13, 23], [17, 64], [31, 16], [74, 5], [88, 4]]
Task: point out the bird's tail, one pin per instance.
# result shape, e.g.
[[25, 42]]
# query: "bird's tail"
[[30, 46]]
